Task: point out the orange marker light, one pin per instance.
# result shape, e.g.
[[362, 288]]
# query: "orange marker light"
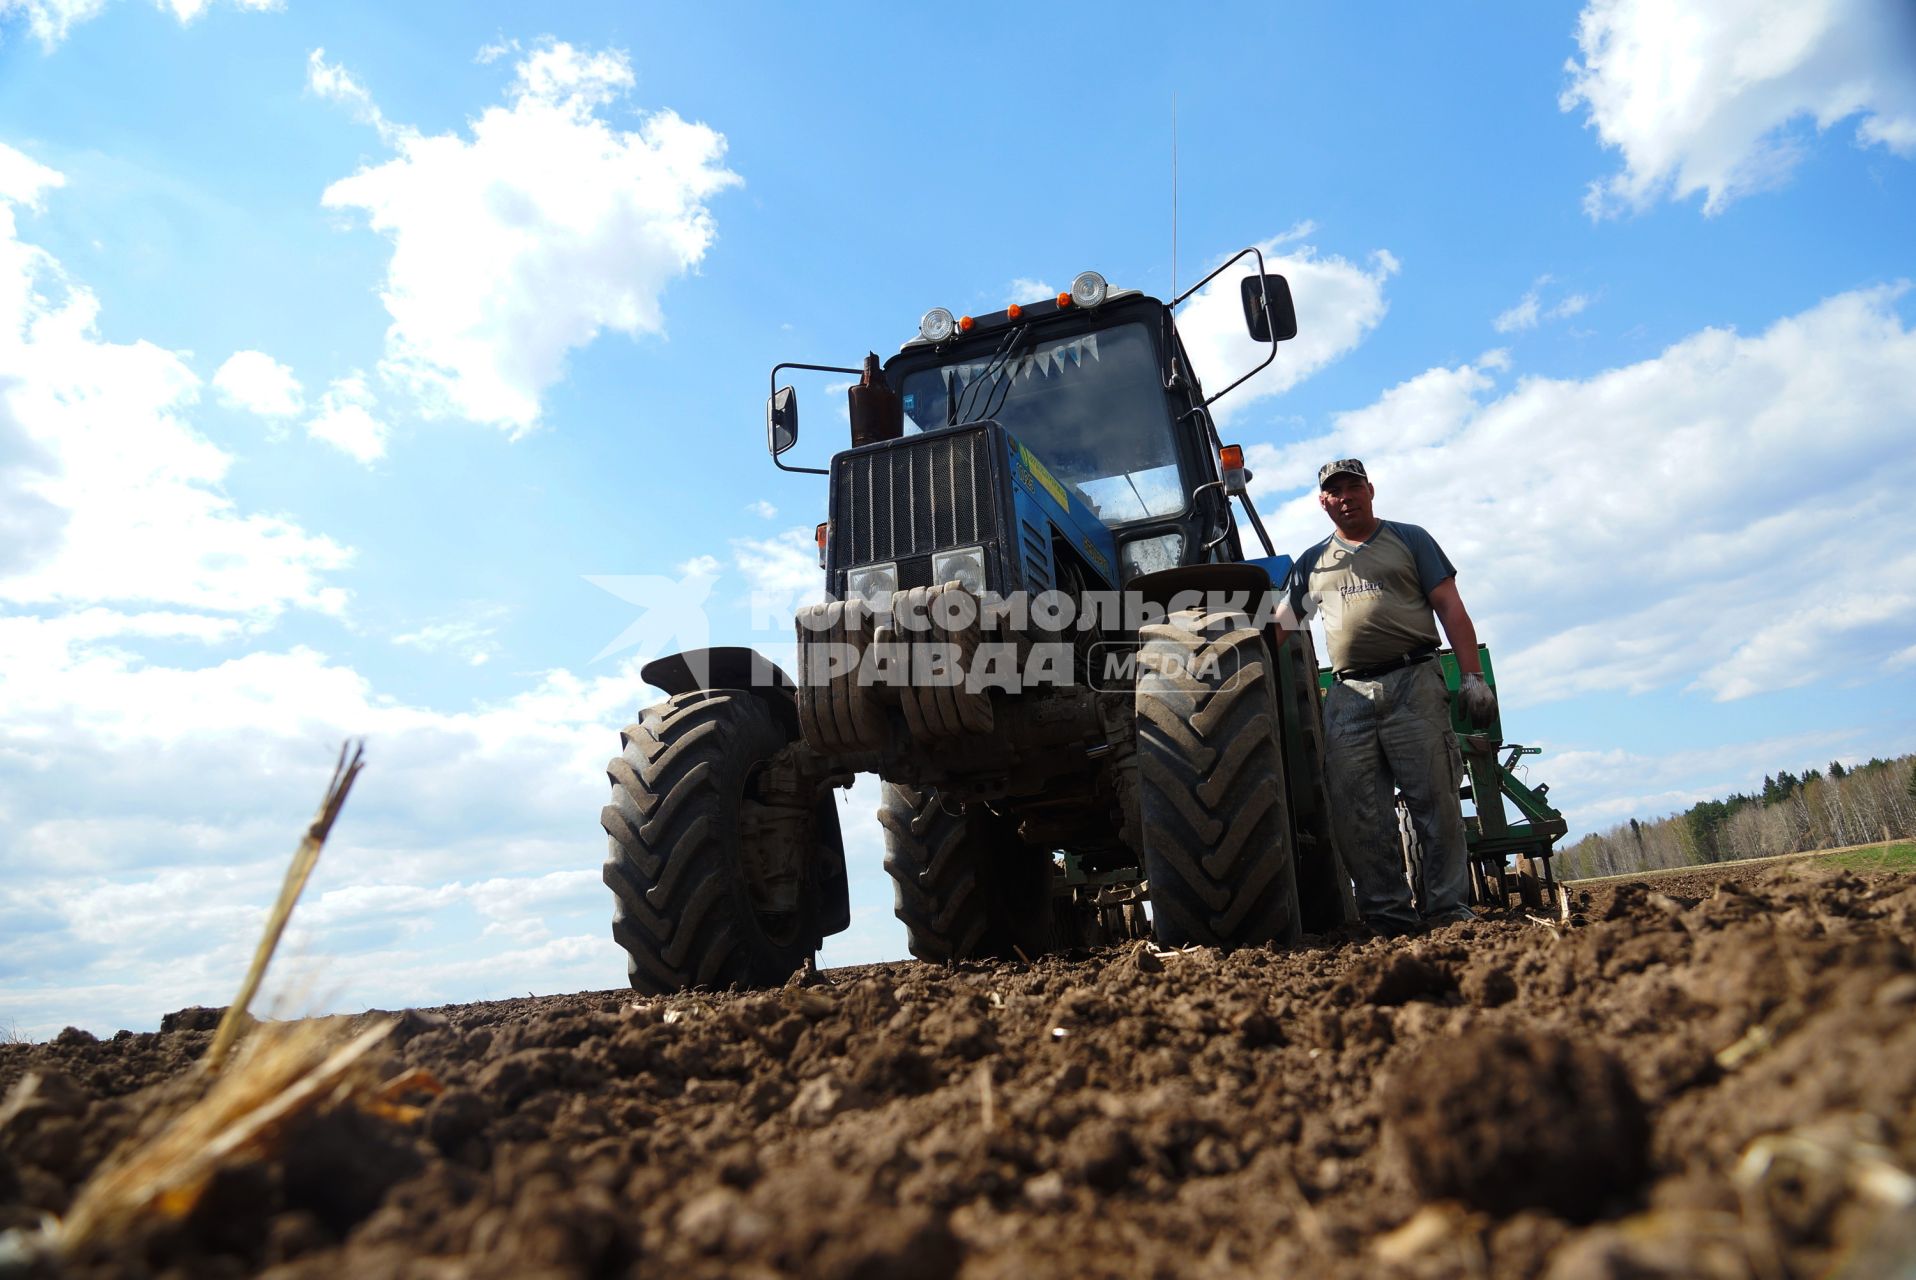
[[1064, 299], [820, 533], [966, 324], [1014, 311], [1231, 457]]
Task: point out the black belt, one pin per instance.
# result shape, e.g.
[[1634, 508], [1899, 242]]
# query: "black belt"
[[1385, 668]]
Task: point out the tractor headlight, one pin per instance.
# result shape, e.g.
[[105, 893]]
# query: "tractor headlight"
[[965, 566], [873, 583], [936, 325], [1088, 289]]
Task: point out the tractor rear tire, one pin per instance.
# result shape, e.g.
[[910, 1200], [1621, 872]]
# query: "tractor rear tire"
[[964, 884], [1325, 898], [1217, 834], [691, 849]]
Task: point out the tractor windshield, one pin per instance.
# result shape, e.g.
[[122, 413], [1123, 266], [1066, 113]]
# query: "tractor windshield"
[[1090, 406]]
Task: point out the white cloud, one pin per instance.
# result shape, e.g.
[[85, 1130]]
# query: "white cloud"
[[107, 492], [1627, 531], [1701, 96], [1570, 306], [491, 52], [340, 85], [30, 640], [188, 10], [51, 21], [1338, 304], [784, 566], [257, 383], [1521, 316], [1530, 308], [345, 420], [24, 180], [762, 509], [527, 239], [469, 638], [1026, 290]]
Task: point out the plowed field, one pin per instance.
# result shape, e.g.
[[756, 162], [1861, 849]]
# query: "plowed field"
[[1708, 1075]]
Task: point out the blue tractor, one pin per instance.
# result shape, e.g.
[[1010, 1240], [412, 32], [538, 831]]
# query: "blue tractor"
[[1041, 630]]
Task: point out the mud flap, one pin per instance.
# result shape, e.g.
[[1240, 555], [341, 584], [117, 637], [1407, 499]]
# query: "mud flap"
[[834, 888]]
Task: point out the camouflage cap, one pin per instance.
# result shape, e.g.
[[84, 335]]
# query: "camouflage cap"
[[1343, 466]]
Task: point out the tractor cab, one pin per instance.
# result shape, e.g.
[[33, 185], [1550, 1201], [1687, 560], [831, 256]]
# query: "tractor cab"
[[1092, 393], [1111, 467]]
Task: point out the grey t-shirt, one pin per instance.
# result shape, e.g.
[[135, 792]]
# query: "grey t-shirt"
[[1374, 595]]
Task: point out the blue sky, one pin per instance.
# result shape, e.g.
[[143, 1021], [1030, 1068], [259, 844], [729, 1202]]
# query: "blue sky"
[[372, 369]]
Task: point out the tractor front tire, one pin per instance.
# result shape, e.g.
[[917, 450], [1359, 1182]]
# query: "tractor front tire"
[[965, 886], [1217, 836], [691, 853]]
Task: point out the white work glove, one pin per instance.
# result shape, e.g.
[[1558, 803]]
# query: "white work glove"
[[1477, 700]]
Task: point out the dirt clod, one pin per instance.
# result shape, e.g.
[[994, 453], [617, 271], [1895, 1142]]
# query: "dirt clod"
[[192, 1018], [1489, 988], [1510, 1120], [1406, 977]]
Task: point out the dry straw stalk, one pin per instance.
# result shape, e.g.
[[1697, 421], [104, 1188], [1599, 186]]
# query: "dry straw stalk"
[[305, 858]]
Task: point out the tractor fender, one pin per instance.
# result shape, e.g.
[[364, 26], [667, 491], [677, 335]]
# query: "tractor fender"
[[749, 671], [728, 667], [1252, 578]]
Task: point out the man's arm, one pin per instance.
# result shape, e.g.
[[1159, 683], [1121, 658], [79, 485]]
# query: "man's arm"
[[1458, 628], [1474, 696], [1289, 618], [1295, 610]]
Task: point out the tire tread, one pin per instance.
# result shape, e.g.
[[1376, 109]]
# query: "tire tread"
[[1217, 839]]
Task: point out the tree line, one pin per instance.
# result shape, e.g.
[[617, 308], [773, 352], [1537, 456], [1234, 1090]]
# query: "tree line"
[[1791, 814]]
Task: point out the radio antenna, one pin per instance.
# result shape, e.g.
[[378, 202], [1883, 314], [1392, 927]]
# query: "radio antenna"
[[1174, 194]]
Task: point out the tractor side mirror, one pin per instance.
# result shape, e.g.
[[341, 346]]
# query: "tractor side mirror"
[[781, 420], [1275, 322]]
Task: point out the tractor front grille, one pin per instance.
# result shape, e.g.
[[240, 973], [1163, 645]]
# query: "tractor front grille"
[[911, 498]]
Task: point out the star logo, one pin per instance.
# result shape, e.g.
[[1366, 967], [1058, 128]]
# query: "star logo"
[[672, 616]]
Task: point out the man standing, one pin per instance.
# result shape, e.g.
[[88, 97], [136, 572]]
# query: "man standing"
[[1382, 587]]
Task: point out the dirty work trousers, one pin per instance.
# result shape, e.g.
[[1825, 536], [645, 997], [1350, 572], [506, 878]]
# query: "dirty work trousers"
[[1394, 731]]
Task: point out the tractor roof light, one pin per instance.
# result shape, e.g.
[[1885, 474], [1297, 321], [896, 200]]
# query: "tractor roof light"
[[966, 324], [1089, 289], [936, 325], [1230, 460]]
